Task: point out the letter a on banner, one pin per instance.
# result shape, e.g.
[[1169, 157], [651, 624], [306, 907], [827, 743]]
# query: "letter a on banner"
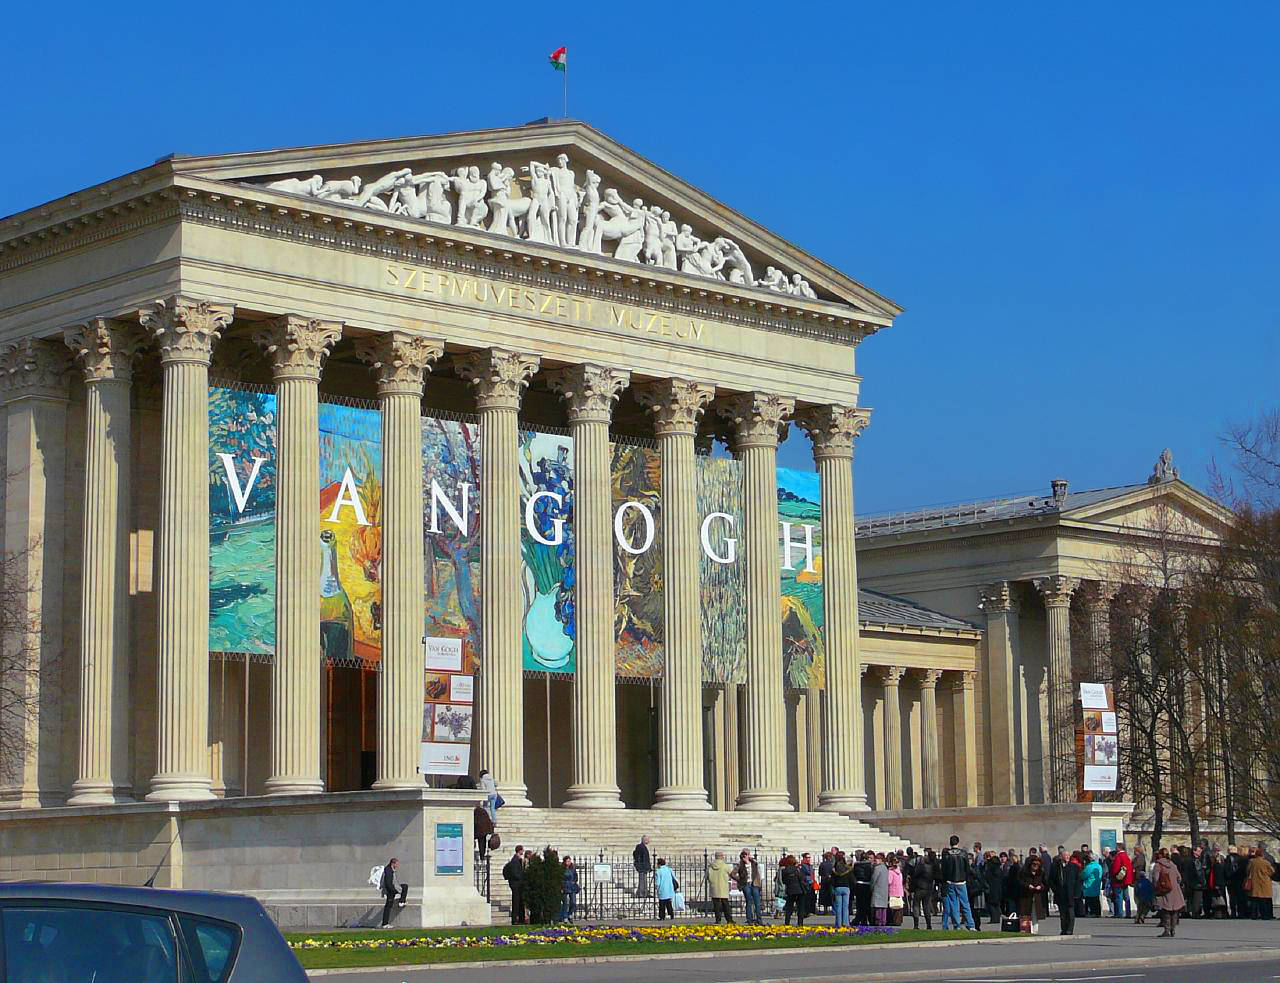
[[348, 495]]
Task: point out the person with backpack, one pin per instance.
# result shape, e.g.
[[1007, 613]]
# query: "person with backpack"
[[389, 890], [1169, 898], [513, 874], [1121, 881]]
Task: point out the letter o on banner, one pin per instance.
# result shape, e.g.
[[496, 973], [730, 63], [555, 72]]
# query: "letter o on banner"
[[619, 532]]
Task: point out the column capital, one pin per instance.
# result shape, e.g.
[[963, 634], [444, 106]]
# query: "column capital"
[[297, 345], [1097, 594], [499, 376], [833, 428], [929, 678], [184, 329], [675, 404], [1056, 590], [961, 680], [998, 598], [400, 361], [758, 419], [105, 348], [589, 390], [892, 675], [34, 367]]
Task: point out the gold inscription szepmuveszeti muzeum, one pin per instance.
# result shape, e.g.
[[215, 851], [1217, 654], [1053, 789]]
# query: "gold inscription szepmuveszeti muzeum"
[[474, 291]]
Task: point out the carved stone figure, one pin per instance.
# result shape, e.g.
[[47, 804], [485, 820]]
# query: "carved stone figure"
[[589, 203], [623, 224], [668, 241], [299, 186], [538, 221], [738, 270], [340, 190], [422, 196], [686, 246], [773, 279], [652, 249], [1164, 469], [504, 210], [367, 198], [799, 287], [565, 192]]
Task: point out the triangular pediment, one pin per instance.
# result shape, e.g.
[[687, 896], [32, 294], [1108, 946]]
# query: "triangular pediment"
[[600, 200], [1170, 506]]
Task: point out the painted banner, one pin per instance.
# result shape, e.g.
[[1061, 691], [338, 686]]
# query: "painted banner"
[[350, 534], [723, 606], [242, 521], [804, 660], [637, 562], [549, 625]]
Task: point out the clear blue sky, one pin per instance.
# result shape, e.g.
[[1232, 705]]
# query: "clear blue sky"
[[1077, 204]]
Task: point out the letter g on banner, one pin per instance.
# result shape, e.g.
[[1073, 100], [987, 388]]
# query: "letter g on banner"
[[532, 526], [619, 527], [730, 544]]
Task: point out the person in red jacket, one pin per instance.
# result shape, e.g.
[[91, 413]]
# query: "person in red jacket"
[[1121, 881]]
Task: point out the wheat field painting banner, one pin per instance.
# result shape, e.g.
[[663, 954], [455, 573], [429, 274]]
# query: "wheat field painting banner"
[[637, 562], [804, 661]]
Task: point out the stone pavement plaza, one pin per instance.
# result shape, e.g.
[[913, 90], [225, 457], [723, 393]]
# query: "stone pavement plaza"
[[1110, 950]]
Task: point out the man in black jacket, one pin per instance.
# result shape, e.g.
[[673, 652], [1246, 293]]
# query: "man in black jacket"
[[994, 874], [955, 876], [389, 890], [1070, 888], [513, 873], [862, 871], [1054, 872], [643, 865]]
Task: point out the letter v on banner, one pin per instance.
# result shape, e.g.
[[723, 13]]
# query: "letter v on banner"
[[241, 495]]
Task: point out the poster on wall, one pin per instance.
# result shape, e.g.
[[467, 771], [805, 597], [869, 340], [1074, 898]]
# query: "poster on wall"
[[451, 538], [720, 575], [804, 660], [242, 521], [547, 569], [1100, 741], [637, 562], [447, 708]]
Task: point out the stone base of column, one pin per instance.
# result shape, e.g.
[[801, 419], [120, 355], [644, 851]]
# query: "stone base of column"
[[762, 800], [294, 786], [514, 796], [687, 799], [98, 794], [837, 801], [409, 781], [593, 797], [180, 788]]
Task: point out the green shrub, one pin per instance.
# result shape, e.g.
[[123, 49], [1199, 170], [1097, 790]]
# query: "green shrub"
[[543, 886]]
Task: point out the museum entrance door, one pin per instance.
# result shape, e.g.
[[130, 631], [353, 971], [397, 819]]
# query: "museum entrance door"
[[351, 711]]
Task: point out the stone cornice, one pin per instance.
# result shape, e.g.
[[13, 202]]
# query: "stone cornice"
[[449, 248], [400, 361]]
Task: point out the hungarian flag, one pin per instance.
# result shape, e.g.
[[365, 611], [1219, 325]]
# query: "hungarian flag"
[[558, 58]]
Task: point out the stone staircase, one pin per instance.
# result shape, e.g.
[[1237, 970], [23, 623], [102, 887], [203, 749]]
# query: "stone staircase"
[[587, 833]]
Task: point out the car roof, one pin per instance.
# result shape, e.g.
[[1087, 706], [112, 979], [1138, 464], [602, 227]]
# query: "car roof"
[[232, 907]]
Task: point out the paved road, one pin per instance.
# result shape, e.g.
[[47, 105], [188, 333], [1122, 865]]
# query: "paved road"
[[1115, 951]]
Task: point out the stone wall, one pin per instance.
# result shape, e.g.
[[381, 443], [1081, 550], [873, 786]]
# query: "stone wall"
[[1008, 827]]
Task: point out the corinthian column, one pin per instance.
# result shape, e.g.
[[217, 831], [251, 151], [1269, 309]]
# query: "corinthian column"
[[33, 379], [758, 420], [676, 405], [833, 430], [1001, 608], [589, 392], [500, 377], [297, 347], [184, 330], [400, 363], [929, 759], [893, 737], [1056, 592], [965, 749], [105, 350], [1097, 608]]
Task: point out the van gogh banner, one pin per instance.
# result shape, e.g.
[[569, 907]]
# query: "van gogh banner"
[[547, 571], [724, 616], [637, 562], [804, 659]]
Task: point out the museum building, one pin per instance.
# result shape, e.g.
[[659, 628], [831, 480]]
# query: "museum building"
[[363, 466]]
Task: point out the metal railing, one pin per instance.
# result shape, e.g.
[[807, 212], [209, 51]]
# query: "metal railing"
[[480, 866]]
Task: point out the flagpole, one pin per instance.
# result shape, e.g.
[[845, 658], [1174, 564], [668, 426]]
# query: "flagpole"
[[566, 85]]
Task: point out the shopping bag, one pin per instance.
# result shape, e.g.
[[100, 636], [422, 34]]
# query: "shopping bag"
[[677, 901]]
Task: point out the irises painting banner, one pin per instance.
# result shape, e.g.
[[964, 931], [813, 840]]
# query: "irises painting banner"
[[547, 569]]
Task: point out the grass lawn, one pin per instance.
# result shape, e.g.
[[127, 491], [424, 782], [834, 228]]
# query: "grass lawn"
[[399, 948]]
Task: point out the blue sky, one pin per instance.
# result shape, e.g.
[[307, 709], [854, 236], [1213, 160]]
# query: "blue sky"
[[1077, 204]]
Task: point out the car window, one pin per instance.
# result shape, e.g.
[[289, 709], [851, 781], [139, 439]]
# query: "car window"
[[72, 944], [212, 946]]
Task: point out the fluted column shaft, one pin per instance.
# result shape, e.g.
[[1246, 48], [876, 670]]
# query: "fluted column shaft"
[[1056, 592], [400, 361], [930, 763], [1000, 606], [33, 383], [499, 378], [185, 331], [297, 347], [833, 430], [757, 419], [893, 738], [676, 405], [965, 744], [589, 392], [105, 349]]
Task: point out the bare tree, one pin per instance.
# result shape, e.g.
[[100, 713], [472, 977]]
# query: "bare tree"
[[20, 668]]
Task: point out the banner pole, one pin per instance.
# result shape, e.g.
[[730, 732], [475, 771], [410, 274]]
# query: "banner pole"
[[566, 85]]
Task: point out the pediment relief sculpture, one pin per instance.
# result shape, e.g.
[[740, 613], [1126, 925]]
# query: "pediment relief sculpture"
[[545, 203]]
